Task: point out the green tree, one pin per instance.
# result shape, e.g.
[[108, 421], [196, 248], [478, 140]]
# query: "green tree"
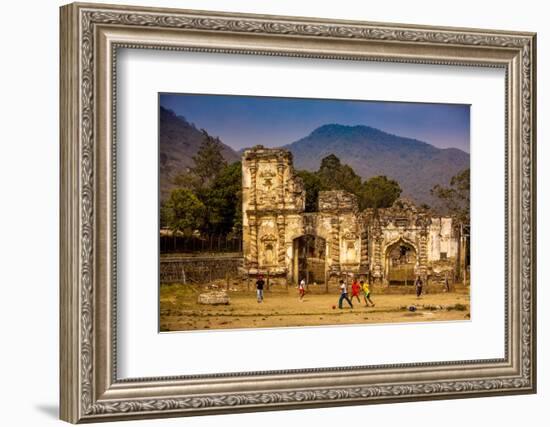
[[312, 186], [334, 175], [209, 160], [456, 198], [223, 201], [379, 192], [188, 180], [163, 215], [183, 212]]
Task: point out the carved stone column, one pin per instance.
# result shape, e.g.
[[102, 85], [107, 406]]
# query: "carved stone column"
[[378, 272], [281, 193], [281, 232], [335, 243], [377, 255], [364, 266], [253, 229], [423, 255], [253, 170]]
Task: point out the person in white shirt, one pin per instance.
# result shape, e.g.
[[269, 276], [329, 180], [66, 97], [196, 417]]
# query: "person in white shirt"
[[344, 295], [302, 289]]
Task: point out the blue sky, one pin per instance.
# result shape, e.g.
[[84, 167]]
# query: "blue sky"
[[244, 121]]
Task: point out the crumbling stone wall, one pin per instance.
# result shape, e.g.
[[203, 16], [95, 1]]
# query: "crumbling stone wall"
[[429, 238], [340, 213], [359, 243]]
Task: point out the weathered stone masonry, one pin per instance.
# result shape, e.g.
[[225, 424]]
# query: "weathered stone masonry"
[[389, 246]]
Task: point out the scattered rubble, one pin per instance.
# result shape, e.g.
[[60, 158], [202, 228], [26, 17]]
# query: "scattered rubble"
[[214, 298], [430, 307]]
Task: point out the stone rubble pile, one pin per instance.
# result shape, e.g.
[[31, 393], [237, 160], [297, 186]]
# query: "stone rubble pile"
[[214, 298]]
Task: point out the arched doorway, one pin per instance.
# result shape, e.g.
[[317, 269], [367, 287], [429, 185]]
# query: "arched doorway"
[[309, 256], [401, 258]]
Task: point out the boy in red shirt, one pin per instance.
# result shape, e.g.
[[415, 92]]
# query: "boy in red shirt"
[[355, 289]]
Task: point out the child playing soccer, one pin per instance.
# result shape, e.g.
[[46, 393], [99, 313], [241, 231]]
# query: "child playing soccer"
[[343, 295], [366, 293], [355, 289]]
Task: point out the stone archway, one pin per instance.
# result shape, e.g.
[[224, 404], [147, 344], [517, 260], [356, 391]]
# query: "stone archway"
[[309, 259], [399, 262]]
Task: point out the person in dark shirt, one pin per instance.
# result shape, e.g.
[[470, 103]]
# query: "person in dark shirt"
[[260, 288], [447, 285], [418, 284]]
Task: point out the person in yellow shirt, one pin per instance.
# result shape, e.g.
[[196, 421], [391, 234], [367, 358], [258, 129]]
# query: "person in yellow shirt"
[[366, 293]]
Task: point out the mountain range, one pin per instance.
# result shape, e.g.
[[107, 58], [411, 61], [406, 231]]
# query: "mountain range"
[[179, 141], [416, 165]]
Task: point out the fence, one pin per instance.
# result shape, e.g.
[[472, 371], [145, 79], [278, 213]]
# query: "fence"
[[193, 244], [199, 269]]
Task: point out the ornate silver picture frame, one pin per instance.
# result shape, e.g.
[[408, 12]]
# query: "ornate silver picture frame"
[[91, 390]]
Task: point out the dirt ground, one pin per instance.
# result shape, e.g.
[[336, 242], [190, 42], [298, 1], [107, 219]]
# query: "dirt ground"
[[179, 310]]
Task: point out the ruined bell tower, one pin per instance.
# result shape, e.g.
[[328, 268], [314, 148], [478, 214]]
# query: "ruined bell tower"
[[273, 199]]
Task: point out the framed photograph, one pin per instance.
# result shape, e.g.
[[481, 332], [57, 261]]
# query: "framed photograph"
[[265, 213]]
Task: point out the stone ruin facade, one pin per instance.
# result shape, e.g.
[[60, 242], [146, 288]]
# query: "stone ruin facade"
[[387, 246]]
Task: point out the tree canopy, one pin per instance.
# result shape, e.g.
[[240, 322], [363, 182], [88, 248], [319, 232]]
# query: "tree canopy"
[[223, 200], [376, 192], [183, 212], [209, 160], [456, 197], [312, 186], [379, 192], [337, 176], [212, 189]]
